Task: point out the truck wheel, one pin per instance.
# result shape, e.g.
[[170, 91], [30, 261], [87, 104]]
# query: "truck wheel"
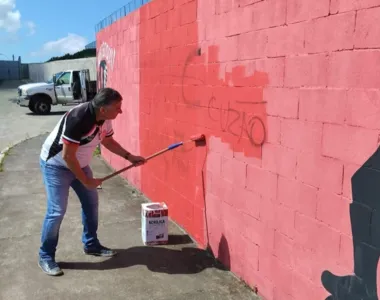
[[42, 106], [31, 107]]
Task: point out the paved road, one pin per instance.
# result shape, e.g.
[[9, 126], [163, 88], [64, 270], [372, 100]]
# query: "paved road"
[[17, 123], [177, 271]]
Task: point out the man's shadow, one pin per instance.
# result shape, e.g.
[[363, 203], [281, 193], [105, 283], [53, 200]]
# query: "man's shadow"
[[186, 260], [365, 227]]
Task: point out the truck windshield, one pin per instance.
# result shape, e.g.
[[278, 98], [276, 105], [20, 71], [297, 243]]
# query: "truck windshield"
[[56, 75]]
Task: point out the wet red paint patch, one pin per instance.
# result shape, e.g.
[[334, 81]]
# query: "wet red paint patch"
[[185, 90], [235, 108]]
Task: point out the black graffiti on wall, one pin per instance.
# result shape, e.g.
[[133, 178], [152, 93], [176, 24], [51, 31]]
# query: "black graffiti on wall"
[[245, 125], [239, 123], [102, 75], [365, 226], [105, 58]]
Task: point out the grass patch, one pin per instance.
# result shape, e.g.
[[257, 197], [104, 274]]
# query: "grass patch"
[[96, 152], [2, 159]]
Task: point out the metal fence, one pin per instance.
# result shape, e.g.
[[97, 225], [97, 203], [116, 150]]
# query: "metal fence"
[[9, 70], [120, 13]]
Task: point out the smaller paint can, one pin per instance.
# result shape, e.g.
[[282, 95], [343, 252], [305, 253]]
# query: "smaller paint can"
[[154, 223]]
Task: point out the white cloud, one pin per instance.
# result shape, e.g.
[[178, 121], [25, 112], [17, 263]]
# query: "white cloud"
[[10, 18], [69, 44], [31, 26]]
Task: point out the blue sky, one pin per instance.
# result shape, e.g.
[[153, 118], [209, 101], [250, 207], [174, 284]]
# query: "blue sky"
[[37, 32]]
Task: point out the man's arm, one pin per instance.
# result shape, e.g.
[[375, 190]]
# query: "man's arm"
[[115, 147], [69, 156], [74, 130]]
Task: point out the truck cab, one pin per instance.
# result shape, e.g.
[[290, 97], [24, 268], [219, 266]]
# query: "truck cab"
[[69, 87]]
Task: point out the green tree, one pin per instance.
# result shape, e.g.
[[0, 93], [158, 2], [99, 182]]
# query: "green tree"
[[80, 54]]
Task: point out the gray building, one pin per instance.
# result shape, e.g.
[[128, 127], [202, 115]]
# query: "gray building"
[[10, 69], [13, 69]]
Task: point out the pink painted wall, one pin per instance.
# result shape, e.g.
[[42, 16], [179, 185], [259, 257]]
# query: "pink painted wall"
[[286, 93]]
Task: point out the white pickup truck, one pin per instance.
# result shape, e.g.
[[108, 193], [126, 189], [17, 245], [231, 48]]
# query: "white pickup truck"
[[66, 88]]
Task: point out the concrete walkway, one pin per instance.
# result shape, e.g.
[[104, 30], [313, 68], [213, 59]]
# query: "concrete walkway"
[[175, 271]]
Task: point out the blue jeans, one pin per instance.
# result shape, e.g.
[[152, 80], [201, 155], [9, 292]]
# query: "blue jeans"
[[57, 181]]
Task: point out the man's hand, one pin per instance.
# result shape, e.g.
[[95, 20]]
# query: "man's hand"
[[69, 151], [136, 160], [92, 183]]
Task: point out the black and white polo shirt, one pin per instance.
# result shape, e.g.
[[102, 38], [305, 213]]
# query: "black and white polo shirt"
[[77, 126]]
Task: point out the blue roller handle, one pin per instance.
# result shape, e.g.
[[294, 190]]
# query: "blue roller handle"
[[175, 145]]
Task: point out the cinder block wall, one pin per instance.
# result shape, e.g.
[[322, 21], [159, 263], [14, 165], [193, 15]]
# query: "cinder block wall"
[[287, 95]]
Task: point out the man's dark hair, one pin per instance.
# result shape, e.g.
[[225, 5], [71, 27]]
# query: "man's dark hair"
[[106, 96]]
